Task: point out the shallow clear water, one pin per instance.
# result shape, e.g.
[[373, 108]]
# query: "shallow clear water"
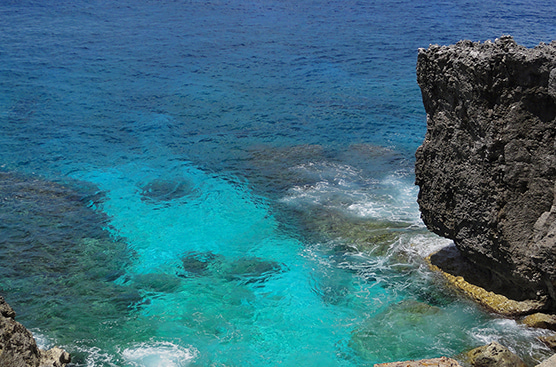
[[230, 183]]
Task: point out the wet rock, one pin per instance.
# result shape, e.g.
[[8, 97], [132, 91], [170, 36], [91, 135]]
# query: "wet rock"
[[494, 355], [464, 276], [434, 362], [549, 341], [540, 320], [18, 347], [487, 167]]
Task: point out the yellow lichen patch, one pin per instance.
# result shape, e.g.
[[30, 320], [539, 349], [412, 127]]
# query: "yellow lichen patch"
[[493, 302], [540, 320]]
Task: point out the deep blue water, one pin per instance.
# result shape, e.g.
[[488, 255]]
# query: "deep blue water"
[[230, 183]]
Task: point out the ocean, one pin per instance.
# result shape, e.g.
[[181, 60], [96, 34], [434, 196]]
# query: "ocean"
[[230, 182]]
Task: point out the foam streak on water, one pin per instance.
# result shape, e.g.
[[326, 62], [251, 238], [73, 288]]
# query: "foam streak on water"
[[230, 183]]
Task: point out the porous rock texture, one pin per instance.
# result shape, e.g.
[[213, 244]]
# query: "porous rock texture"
[[487, 167], [18, 347], [494, 355]]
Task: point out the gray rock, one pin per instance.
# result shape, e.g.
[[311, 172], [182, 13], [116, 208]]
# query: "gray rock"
[[487, 167]]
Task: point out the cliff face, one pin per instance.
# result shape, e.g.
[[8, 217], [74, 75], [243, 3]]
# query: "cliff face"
[[18, 347], [487, 167]]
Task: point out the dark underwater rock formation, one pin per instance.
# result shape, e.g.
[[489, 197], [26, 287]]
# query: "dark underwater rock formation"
[[487, 167], [18, 347], [58, 260], [246, 270]]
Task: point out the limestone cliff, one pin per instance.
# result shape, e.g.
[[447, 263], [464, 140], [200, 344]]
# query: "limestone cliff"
[[18, 347], [487, 167]]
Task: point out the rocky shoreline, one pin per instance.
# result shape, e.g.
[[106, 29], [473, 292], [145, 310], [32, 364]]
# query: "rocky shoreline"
[[487, 174], [18, 348], [487, 177]]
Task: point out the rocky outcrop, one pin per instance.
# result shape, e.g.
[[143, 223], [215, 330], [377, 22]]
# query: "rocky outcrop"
[[540, 320], [487, 167], [462, 275], [494, 355], [18, 347]]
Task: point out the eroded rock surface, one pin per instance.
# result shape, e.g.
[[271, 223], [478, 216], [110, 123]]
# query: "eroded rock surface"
[[487, 167], [18, 347], [494, 355]]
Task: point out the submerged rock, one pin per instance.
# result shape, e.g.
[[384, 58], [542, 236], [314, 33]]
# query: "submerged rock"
[[252, 270], [487, 167], [161, 190], [410, 327], [198, 263], [18, 348], [247, 270], [157, 282], [59, 260], [494, 355]]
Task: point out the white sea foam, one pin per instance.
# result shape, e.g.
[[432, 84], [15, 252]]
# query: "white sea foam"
[[519, 338], [41, 340], [345, 188], [159, 354], [395, 200], [96, 357], [421, 245]]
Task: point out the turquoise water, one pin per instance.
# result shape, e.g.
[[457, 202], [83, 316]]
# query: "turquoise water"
[[230, 183]]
